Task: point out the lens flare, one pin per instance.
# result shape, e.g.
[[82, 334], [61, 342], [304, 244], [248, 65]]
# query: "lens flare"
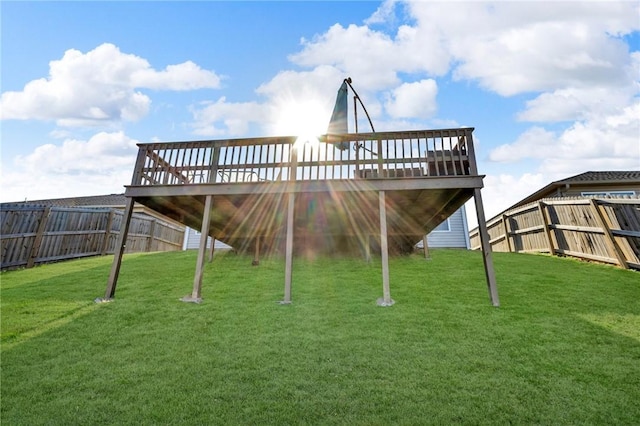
[[307, 118]]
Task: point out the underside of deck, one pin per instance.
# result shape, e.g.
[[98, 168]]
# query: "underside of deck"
[[329, 216]]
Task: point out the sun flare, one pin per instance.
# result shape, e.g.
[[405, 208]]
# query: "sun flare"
[[307, 119]]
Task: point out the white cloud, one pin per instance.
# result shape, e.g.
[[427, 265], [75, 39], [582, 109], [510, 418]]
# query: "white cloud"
[[508, 47], [384, 13], [511, 47], [185, 76], [577, 104], [607, 142], [101, 164], [101, 154], [356, 50], [612, 143], [371, 57], [98, 87], [222, 118], [292, 102], [413, 100], [504, 190], [536, 142], [568, 51]]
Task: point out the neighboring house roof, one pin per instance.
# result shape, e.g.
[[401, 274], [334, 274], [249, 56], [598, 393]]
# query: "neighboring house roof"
[[586, 179]]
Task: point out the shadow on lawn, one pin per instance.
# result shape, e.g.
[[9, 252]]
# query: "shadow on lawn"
[[36, 301]]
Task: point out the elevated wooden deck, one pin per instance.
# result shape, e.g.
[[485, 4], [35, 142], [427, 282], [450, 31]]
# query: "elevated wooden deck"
[[427, 175], [329, 195]]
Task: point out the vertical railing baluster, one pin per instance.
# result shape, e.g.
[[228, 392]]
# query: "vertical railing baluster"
[[444, 155], [215, 160], [171, 167], [201, 164], [267, 161], [254, 166], [453, 163], [435, 151], [461, 151], [190, 173]]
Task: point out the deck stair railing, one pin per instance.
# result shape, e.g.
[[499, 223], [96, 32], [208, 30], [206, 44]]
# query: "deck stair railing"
[[381, 155]]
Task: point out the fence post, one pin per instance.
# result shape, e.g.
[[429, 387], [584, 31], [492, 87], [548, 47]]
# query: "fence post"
[[35, 247], [107, 233], [507, 232], [611, 242], [546, 223], [152, 230]]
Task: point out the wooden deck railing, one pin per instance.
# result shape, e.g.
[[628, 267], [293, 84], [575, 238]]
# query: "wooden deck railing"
[[384, 155], [603, 230]]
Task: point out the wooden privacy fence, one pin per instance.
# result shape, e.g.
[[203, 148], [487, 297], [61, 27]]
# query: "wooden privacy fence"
[[603, 230], [34, 234]]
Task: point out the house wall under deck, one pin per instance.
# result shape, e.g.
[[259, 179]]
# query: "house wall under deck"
[[452, 233]]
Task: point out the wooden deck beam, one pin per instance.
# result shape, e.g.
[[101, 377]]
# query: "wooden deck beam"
[[279, 187]]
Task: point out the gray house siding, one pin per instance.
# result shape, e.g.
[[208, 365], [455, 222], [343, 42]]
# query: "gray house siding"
[[452, 233], [192, 241]]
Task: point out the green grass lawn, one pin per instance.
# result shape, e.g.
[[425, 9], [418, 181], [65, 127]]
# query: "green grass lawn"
[[564, 347]]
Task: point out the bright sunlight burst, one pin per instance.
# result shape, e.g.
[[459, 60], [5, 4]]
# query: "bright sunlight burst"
[[304, 118]]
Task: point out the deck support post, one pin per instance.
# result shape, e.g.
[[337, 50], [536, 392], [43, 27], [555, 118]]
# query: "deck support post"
[[384, 251], [120, 248], [256, 253], [212, 249], [487, 256], [202, 249], [425, 245], [289, 250], [367, 247]]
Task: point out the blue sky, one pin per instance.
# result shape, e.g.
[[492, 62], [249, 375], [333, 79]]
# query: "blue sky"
[[552, 88]]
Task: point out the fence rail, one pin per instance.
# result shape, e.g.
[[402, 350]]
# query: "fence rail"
[[35, 234], [603, 230], [421, 153]]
